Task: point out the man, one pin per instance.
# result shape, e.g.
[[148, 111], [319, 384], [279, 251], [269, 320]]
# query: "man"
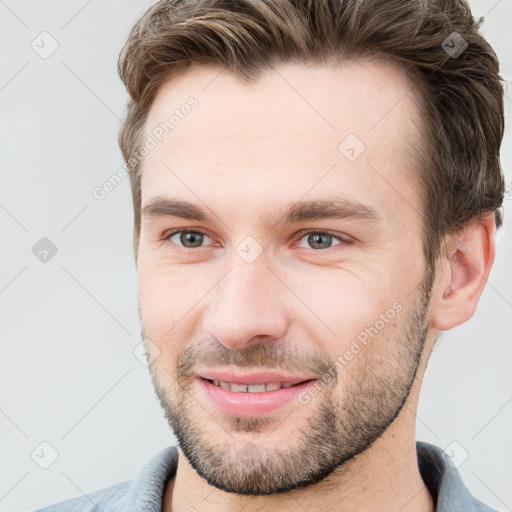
[[316, 189]]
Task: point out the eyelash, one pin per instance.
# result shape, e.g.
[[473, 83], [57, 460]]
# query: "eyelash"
[[300, 236]]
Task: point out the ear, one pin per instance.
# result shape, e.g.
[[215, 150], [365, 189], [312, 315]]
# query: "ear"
[[463, 269]]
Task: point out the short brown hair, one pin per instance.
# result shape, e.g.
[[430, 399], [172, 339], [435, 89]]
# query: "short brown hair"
[[459, 169]]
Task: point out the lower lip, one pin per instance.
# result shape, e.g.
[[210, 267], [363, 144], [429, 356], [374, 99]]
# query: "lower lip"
[[250, 404]]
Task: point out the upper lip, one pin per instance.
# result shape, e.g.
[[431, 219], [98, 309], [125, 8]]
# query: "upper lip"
[[252, 377]]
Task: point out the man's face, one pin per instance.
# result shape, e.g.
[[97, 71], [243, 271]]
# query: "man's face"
[[253, 290]]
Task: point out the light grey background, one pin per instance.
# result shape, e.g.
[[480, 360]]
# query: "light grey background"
[[69, 326]]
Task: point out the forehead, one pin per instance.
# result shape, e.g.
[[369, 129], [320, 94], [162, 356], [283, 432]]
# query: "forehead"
[[296, 129]]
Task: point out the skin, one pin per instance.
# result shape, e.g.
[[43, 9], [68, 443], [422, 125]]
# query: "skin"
[[244, 152]]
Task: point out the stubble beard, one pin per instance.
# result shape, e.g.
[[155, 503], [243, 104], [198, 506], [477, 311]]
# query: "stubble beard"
[[334, 433]]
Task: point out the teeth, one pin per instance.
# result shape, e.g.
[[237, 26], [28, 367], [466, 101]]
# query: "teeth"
[[237, 387], [252, 388]]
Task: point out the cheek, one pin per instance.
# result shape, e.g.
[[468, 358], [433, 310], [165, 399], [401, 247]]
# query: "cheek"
[[365, 318], [166, 298], [339, 304]]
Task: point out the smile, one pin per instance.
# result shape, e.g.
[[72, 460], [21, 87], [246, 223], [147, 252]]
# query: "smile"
[[251, 388]]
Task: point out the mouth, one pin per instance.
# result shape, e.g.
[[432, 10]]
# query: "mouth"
[[251, 399]]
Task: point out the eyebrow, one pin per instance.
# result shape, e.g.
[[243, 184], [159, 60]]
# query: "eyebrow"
[[319, 209]]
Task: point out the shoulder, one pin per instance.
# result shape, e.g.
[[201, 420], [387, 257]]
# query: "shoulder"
[[105, 500]]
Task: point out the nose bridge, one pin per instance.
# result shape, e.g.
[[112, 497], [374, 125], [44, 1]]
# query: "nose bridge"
[[246, 303]]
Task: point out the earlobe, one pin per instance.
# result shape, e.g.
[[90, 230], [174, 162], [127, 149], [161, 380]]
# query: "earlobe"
[[464, 267]]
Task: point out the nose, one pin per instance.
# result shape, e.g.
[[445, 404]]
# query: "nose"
[[247, 303]]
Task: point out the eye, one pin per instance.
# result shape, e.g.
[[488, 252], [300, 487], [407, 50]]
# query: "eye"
[[322, 239], [193, 239], [187, 238]]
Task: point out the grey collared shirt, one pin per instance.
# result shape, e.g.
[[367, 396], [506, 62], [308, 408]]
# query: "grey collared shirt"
[[145, 493]]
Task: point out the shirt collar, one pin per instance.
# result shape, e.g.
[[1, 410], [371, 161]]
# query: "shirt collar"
[[441, 478], [147, 490], [444, 482]]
